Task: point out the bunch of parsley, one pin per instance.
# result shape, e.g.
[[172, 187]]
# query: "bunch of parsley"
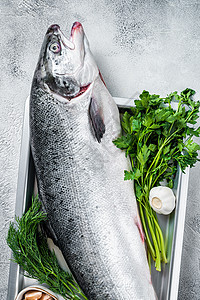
[[158, 139], [31, 252]]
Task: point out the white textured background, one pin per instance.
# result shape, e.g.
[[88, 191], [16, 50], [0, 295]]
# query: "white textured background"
[[152, 45]]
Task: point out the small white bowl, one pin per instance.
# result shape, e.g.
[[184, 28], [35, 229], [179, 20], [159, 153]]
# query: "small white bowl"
[[37, 288]]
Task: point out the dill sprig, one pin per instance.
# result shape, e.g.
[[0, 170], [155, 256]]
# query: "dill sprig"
[[31, 252]]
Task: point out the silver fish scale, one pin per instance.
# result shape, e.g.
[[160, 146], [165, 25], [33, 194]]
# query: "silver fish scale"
[[91, 209]]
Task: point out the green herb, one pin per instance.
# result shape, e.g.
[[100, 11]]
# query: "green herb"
[[157, 139], [31, 252]]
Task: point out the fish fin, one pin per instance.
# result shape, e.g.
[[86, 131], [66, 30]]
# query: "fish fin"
[[49, 232], [96, 119], [47, 228]]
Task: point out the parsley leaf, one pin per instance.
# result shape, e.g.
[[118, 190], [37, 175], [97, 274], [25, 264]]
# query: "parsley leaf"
[[158, 139]]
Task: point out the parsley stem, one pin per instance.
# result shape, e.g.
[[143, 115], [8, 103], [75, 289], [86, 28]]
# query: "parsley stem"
[[161, 241], [149, 244], [158, 238], [155, 161], [149, 259], [164, 169], [157, 250]]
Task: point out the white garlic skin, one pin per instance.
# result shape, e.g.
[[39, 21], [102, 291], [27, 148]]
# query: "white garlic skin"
[[162, 199]]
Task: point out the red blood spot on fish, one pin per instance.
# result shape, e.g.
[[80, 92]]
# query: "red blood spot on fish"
[[139, 226], [76, 25], [83, 89]]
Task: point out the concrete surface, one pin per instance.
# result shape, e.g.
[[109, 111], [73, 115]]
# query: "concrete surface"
[[152, 45]]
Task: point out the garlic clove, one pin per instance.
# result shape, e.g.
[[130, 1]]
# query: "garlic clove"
[[162, 200], [33, 295]]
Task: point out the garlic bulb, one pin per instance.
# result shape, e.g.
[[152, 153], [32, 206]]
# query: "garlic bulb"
[[162, 200]]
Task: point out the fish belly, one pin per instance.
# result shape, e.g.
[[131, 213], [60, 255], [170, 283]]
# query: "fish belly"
[[91, 209]]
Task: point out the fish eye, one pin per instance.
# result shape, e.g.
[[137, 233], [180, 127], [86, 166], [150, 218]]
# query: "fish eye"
[[55, 47]]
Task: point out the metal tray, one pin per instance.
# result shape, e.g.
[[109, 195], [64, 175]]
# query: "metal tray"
[[165, 282]]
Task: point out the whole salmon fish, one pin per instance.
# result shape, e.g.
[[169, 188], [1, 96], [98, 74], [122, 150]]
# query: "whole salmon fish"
[[92, 211]]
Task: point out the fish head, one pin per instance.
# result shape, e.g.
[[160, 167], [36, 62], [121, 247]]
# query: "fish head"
[[66, 66]]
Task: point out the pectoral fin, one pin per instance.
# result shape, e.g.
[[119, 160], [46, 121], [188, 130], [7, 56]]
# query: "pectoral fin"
[[47, 228], [96, 118], [48, 231]]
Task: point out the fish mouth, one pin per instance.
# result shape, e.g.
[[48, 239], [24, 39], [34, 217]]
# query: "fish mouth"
[[76, 26], [69, 43]]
